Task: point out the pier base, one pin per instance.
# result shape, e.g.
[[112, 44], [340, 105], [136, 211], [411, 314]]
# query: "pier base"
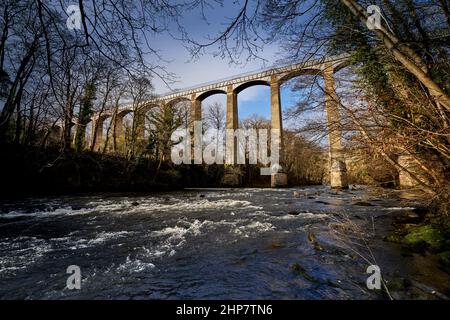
[[406, 181], [338, 175], [278, 180], [232, 177]]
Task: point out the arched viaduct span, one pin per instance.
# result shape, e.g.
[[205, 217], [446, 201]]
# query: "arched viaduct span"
[[272, 78]]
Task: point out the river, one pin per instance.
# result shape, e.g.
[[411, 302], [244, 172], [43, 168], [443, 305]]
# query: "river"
[[210, 244]]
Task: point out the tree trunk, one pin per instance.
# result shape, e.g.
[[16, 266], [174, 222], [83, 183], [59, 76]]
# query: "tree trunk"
[[446, 9], [16, 89], [405, 55]]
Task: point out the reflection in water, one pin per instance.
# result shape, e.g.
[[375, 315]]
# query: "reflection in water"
[[235, 244]]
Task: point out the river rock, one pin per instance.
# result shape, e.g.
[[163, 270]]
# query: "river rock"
[[363, 204]]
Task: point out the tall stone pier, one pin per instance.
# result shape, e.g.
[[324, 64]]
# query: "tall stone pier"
[[232, 174], [279, 178], [274, 78], [338, 169]]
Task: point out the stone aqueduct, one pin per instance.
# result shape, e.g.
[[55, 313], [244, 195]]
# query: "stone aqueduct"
[[273, 78]]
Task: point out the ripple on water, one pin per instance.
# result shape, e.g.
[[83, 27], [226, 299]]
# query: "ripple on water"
[[20, 253], [135, 265], [181, 205], [175, 244]]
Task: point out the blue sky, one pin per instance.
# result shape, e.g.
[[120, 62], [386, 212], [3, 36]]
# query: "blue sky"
[[254, 100]]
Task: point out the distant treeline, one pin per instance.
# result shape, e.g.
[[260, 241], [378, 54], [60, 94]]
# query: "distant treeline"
[[34, 171]]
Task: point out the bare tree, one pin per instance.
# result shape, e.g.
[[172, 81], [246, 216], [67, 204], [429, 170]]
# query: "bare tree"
[[139, 91], [215, 116]]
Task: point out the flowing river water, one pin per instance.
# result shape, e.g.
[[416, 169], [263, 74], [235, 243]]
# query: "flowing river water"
[[210, 244]]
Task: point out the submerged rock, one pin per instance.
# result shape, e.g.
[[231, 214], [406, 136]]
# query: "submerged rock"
[[425, 236], [275, 245], [298, 269], [420, 238], [363, 204], [296, 213], [394, 238], [312, 238]]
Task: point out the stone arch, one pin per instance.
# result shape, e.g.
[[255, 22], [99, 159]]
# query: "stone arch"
[[297, 73], [249, 84], [147, 107], [120, 134], [197, 102], [184, 108], [83, 134], [209, 93], [88, 130], [98, 138], [259, 92], [305, 83], [177, 100], [327, 96], [272, 78], [123, 113], [214, 120], [103, 117], [236, 145], [142, 120], [341, 65]]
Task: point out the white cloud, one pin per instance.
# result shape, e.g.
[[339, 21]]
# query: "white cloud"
[[253, 93]]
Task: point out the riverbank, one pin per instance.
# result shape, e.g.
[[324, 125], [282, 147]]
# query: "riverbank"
[[31, 171], [405, 242]]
